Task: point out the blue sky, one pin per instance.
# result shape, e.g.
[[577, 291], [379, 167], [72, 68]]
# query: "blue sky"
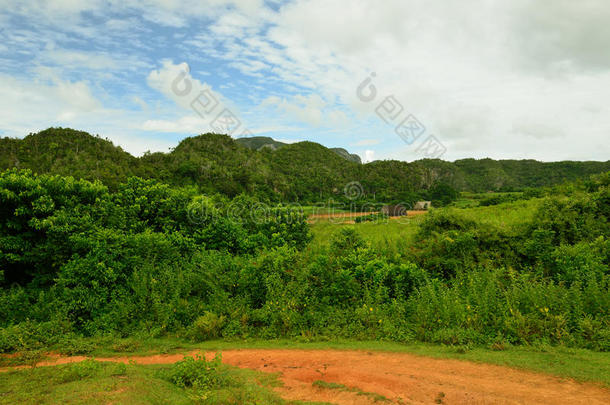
[[479, 78]]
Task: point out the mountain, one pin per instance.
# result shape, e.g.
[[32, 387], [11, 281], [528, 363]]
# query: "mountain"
[[69, 152], [302, 171], [346, 155], [260, 142]]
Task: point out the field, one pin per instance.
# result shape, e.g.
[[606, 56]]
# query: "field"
[[400, 232]]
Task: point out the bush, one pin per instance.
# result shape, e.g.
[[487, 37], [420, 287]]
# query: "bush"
[[438, 221], [206, 327], [198, 374], [346, 240], [371, 218], [30, 335], [581, 261], [78, 371], [87, 369]]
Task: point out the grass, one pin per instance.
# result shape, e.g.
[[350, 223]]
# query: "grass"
[[340, 387], [320, 210], [395, 235], [503, 215], [381, 233], [93, 382]]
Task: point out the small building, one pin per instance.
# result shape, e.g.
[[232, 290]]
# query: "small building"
[[394, 210], [422, 205]]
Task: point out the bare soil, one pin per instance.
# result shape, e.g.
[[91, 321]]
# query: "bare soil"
[[399, 378], [348, 215], [410, 213], [339, 215]]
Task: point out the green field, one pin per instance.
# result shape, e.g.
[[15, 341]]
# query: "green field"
[[400, 233]]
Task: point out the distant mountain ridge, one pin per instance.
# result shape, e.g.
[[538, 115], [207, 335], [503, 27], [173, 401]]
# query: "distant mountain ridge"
[[260, 142], [302, 171]]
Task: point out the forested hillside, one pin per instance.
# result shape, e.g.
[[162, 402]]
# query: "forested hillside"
[[262, 142], [304, 171], [69, 152]]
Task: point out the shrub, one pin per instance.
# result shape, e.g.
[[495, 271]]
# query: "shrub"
[[438, 221], [371, 218], [581, 261], [199, 374], [87, 369], [206, 327], [346, 240], [78, 371], [30, 335]]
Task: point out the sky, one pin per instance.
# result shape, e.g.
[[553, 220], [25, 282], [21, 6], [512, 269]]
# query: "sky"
[[391, 79]]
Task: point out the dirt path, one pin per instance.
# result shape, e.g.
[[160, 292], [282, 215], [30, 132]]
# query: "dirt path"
[[312, 219], [336, 215], [409, 213], [400, 377]]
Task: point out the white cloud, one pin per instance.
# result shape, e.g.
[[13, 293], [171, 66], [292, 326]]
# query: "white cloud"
[[310, 109], [367, 142], [369, 156], [204, 103], [28, 104], [76, 95], [163, 78], [307, 109], [72, 58], [280, 129], [284, 140], [171, 13], [104, 61], [141, 103], [188, 124], [460, 68], [235, 25], [570, 35], [176, 83]]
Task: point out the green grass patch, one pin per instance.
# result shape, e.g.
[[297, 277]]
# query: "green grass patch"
[[340, 387], [397, 232], [504, 215], [319, 210], [92, 382]]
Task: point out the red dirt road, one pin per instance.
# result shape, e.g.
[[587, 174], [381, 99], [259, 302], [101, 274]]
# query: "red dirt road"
[[400, 377]]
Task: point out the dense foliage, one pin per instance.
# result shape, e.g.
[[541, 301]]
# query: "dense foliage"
[[303, 172], [147, 258]]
